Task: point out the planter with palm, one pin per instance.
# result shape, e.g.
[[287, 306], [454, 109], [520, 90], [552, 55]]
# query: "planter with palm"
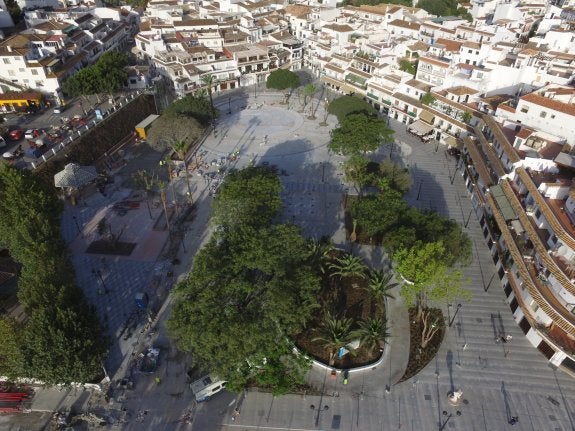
[[335, 334]]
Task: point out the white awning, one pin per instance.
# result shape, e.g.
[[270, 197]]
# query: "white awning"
[[420, 127]]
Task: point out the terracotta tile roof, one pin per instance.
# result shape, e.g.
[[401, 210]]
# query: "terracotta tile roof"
[[557, 228], [434, 62], [298, 10], [543, 298], [489, 151], [495, 127], [404, 24], [506, 107], [525, 132], [15, 95], [460, 90], [342, 28], [555, 105], [478, 162], [535, 239]]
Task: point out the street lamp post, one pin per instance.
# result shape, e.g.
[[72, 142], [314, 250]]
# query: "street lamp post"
[[98, 274], [436, 145], [455, 315], [77, 225], [419, 189], [229, 105]]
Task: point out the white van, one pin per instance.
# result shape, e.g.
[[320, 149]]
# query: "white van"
[[206, 387]]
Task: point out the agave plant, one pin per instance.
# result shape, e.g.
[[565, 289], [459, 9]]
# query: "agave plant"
[[373, 333], [335, 334]]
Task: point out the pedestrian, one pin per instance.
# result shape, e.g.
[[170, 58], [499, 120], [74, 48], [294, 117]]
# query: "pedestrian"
[[513, 420], [235, 413]]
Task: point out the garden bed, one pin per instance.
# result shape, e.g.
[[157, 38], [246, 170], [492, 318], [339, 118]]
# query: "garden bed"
[[420, 357], [344, 298]]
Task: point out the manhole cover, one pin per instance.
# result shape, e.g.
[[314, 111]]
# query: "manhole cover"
[[553, 418], [428, 397]]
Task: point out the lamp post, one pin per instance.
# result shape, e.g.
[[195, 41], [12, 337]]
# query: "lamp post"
[[419, 189], [167, 162], [452, 179], [436, 145], [455, 315], [98, 274], [229, 105], [319, 409], [77, 225]]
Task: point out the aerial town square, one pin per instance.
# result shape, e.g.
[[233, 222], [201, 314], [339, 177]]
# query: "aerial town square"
[[287, 215]]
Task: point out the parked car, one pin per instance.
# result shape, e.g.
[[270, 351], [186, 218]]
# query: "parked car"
[[60, 109], [31, 134], [2, 142], [15, 135]]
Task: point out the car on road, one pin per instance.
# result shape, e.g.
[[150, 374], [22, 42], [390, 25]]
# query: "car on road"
[[31, 134], [60, 109], [206, 387], [15, 135]]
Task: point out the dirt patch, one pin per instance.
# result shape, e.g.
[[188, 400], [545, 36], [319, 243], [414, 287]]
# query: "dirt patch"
[[420, 357], [105, 247]]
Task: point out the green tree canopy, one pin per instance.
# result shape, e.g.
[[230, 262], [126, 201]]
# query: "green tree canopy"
[[444, 8], [248, 197], [345, 105], [376, 214], [107, 75], [196, 106], [356, 172], [427, 98], [408, 66], [396, 176], [11, 358], [249, 290], [62, 340], [282, 79], [359, 133]]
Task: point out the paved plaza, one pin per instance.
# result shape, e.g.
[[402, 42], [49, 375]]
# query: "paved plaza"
[[498, 380]]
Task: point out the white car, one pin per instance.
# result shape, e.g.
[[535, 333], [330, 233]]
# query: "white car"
[[31, 134]]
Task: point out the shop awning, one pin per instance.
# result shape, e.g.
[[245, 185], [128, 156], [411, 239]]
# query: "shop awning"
[[426, 116], [420, 127]]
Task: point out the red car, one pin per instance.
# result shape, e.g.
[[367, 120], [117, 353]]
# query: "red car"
[[15, 135]]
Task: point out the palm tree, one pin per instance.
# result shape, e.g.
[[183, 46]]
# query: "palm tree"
[[348, 266], [180, 148], [380, 283], [372, 332], [162, 187], [208, 81], [335, 334]]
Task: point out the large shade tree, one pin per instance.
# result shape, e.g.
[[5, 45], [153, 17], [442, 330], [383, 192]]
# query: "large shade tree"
[[107, 75], [282, 79], [249, 196], [250, 289], [62, 341], [359, 134]]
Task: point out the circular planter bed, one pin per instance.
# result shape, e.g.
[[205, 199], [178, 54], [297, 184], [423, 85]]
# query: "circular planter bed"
[[343, 298]]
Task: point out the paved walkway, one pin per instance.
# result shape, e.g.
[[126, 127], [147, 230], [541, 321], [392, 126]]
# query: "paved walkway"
[[497, 380]]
